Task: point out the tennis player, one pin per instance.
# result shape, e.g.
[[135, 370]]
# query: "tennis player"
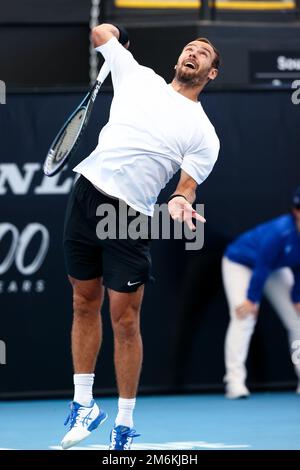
[[264, 259], [154, 129]]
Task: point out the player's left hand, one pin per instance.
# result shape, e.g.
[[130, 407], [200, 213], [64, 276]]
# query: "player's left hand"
[[246, 308], [297, 307], [182, 211]]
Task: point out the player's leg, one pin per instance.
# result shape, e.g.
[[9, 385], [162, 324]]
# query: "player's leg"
[[83, 257], [128, 355], [278, 291], [86, 336], [236, 279], [126, 268], [128, 349], [85, 415], [126, 265]]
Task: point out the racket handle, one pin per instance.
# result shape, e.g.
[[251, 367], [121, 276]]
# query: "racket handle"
[[104, 71]]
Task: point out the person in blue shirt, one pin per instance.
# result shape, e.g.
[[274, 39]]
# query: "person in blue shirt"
[[264, 260]]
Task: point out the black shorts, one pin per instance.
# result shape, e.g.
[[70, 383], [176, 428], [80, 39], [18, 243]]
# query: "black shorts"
[[124, 264]]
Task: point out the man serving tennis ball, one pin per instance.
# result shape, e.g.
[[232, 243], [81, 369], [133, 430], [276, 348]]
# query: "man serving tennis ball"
[[154, 129]]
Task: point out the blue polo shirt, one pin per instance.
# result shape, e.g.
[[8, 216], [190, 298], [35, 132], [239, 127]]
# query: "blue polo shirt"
[[267, 247]]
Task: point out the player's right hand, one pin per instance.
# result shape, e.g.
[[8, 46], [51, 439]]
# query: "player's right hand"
[[182, 211]]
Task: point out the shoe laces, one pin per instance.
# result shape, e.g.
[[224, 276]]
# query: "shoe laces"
[[122, 436], [75, 415]]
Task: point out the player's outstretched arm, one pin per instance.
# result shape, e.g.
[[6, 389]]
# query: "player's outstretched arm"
[[180, 203]]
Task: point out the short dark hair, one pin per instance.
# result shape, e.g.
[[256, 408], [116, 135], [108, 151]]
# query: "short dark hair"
[[217, 59]]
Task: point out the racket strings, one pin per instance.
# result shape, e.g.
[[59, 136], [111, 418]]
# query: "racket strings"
[[69, 136]]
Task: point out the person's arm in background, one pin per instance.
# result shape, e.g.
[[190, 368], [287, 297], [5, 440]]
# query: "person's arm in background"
[[266, 256], [296, 289]]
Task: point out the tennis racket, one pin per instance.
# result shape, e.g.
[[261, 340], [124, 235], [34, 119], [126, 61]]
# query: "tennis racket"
[[68, 138]]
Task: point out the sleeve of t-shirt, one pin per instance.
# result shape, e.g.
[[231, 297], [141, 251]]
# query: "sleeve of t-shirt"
[[296, 287], [199, 161], [120, 61], [269, 249]]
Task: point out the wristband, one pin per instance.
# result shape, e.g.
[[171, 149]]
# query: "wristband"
[[176, 195], [124, 36]]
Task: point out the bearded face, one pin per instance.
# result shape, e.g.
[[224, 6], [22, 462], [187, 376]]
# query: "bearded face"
[[195, 64]]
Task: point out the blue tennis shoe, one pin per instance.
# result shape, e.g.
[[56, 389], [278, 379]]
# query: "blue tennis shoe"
[[82, 420], [121, 438]]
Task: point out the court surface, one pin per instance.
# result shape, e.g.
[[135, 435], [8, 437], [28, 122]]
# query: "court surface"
[[199, 422]]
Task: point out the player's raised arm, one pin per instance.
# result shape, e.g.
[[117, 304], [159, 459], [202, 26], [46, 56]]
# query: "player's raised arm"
[[104, 32]]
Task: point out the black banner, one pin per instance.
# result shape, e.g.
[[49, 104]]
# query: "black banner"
[[138, 459], [185, 310], [274, 67]]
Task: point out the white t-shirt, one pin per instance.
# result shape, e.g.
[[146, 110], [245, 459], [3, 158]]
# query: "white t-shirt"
[[152, 132]]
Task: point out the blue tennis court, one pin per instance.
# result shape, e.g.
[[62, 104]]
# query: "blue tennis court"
[[269, 421]]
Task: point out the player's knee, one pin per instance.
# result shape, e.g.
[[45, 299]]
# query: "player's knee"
[[126, 326], [85, 303]]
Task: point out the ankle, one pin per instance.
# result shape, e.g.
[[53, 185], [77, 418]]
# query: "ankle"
[[125, 412], [83, 392]]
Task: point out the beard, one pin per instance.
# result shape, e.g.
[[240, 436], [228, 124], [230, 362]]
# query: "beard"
[[190, 77]]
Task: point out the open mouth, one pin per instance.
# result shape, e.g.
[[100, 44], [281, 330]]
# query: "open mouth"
[[190, 65]]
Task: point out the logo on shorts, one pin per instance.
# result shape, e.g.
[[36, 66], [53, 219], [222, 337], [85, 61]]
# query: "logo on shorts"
[[133, 283]]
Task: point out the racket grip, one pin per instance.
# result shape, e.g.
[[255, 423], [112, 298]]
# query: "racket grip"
[[104, 71]]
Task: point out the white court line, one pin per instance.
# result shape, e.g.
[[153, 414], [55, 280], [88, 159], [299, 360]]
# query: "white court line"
[[99, 447], [186, 445]]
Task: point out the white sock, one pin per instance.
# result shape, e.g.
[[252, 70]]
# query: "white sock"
[[126, 407], [83, 393]]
